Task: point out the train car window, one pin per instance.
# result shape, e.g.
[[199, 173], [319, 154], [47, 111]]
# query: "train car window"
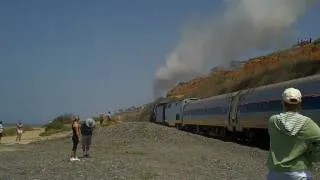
[[274, 105], [177, 116], [310, 102], [243, 108], [264, 106]]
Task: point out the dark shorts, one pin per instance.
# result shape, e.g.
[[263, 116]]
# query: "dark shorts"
[[1, 134], [75, 141], [86, 140]]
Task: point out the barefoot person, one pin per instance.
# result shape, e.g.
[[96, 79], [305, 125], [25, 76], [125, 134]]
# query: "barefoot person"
[[86, 133], [75, 138], [1, 131], [294, 141], [19, 131]]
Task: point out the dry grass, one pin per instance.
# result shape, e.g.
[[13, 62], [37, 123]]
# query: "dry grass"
[[13, 131], [128, 116], [50, 130]]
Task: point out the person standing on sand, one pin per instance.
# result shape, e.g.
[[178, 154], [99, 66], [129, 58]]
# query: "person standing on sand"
[[75, 138], [86, 133], [1, 131], [19, 131], [294, 141], [101, 118]]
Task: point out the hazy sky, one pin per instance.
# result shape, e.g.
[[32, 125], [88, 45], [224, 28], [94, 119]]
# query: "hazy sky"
[[85, 57]]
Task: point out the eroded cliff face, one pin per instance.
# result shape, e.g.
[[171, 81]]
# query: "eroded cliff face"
[[303, 52]]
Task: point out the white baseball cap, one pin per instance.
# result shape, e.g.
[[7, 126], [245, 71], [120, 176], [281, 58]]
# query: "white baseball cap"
[[291, 96]]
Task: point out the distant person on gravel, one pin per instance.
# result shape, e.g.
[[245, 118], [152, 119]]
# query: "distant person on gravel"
[[294, 141], [1, 131], [75, 138], [19, 131], [86, 132]]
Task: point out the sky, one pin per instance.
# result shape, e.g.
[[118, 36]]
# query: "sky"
[[87, 57]]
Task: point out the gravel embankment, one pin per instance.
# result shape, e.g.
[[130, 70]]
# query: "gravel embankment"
[[136, 151]]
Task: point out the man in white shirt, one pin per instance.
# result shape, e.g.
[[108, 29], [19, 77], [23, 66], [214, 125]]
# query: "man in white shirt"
[[19, 131], [109, 116]]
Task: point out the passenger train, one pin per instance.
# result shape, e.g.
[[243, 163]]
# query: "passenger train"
[[243, 114]]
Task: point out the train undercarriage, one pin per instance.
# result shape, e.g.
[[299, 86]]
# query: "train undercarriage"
[[248, 136]]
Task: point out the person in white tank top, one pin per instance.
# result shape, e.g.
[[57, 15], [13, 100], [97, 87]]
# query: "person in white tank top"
[[19, 131]]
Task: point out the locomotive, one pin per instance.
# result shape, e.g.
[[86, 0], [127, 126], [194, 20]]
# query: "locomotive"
[[241, 115]]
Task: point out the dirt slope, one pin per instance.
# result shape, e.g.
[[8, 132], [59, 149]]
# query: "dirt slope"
[[274, 61]]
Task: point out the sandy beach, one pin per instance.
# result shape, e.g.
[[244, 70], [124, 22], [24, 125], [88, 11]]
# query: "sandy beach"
[[27, 138]]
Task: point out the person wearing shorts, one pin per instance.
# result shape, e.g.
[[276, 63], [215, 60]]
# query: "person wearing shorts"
[[86, 133], [75, 138], [19, 131]]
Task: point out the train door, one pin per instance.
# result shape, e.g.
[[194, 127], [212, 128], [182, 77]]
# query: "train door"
[[233, 113]]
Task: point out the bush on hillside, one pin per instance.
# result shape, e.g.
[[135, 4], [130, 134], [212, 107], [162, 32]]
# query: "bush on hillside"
[[58, 124]]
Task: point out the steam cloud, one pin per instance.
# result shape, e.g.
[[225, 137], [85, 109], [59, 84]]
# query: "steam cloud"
[[243, 26]]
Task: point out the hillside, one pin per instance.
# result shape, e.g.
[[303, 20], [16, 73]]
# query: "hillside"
[[301, 60]]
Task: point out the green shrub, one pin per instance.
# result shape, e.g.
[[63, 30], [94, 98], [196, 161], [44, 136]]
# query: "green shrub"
[[54, 126], [58, 124]]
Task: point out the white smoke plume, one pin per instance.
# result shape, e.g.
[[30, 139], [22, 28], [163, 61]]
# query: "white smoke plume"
[[243, 26]]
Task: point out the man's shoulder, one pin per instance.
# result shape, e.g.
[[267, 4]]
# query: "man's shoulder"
[[303, 116], [274, 117]]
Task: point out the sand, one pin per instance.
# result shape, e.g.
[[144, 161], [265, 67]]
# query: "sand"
[[27, 138]]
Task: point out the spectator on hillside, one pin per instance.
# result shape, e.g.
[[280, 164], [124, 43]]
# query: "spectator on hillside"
[[1, 131], [86, 132], [109, 116], [19, 131], [294, 140]]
